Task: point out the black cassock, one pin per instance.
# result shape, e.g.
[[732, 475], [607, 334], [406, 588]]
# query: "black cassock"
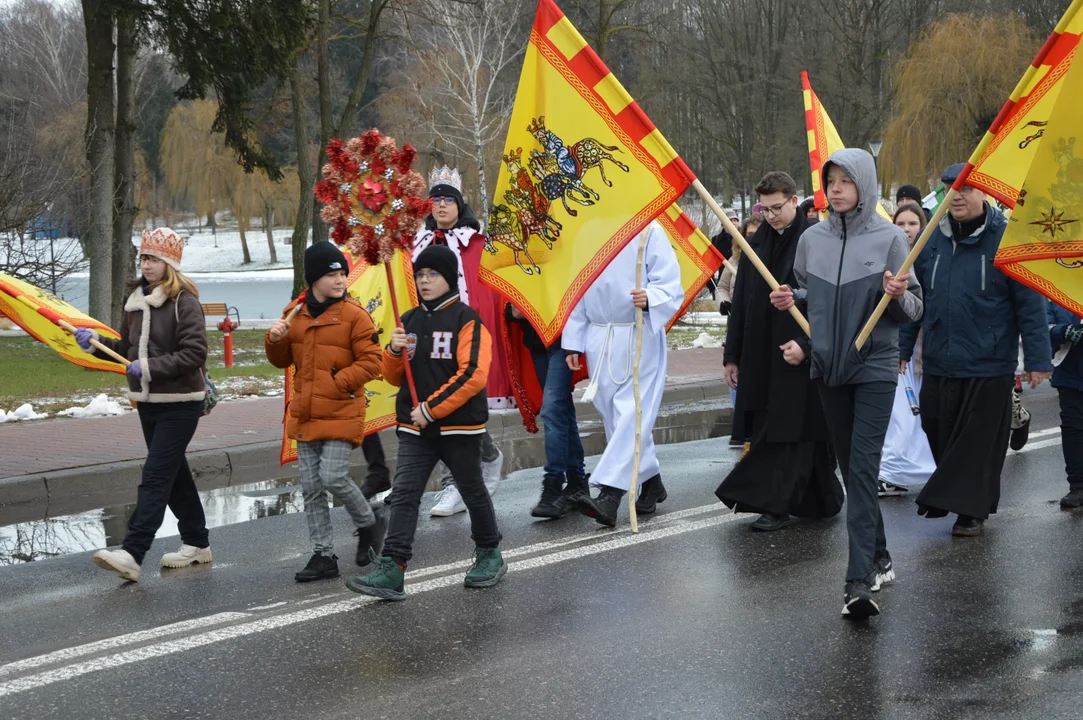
[[789, 469]]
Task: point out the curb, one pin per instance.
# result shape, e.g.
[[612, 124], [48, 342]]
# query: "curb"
[[688, 412]]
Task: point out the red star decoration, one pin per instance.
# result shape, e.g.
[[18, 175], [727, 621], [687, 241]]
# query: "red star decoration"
[[1053, 222]]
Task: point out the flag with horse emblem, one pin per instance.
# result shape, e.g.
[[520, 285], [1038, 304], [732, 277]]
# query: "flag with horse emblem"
[[584, 171], [367, 284]]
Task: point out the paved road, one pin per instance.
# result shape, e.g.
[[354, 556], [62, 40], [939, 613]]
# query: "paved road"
[[694, 617]]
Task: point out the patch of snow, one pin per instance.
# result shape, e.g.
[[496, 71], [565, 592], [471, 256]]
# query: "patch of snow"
[[707, 340], [100, 406], [23, 412]]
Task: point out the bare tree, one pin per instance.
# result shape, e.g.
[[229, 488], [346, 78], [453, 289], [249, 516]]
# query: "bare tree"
[[462, 82]]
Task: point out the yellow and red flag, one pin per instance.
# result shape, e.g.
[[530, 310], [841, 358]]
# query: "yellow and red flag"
[[37, 312], [367, 284], [584, 171], [1013, 140], [698, 258], [1043, 244], [823, 142]]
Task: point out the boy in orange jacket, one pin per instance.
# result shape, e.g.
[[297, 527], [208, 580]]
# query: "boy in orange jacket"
[[332, 343]]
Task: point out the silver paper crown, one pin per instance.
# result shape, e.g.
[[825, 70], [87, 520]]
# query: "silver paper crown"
[[446, 176]]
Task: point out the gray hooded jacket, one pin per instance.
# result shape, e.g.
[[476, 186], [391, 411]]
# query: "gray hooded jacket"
[[840, 268]]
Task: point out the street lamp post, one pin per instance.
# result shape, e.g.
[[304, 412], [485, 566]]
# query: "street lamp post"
[[874, 148]]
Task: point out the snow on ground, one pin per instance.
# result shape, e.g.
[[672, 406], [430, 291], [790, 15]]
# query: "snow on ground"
[[100, 406], [707, 340], [23, 412]]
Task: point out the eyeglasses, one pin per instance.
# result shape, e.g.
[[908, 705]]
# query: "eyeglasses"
[[773, 209], [427, 275], [443, 200]]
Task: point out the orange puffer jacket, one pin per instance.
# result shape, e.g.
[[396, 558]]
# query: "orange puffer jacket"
[[335, 355]]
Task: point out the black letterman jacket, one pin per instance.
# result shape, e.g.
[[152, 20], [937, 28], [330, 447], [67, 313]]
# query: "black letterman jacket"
[[450, 352]]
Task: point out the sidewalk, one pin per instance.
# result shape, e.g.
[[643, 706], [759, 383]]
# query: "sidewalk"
[[239, 441]]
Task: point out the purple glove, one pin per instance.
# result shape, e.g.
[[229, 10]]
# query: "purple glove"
[[135, 371], [83, 337]]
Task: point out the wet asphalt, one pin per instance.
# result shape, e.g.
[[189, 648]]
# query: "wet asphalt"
[[695, 617]]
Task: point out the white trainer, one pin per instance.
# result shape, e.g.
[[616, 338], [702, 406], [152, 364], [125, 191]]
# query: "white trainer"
[[119, 561], [187, 555], [449, 503], [491, 473]]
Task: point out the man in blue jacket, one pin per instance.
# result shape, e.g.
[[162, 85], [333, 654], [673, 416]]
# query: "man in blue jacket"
[[974, 317], [1065, 332]]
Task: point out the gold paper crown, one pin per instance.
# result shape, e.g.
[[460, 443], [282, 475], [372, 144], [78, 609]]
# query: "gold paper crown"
[[446, 176], [165, 244]]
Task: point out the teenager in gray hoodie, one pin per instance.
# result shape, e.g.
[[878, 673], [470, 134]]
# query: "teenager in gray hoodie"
[[843, 267]]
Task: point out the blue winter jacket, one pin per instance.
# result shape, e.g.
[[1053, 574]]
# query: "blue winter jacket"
[[974, 313], [1069, 371]]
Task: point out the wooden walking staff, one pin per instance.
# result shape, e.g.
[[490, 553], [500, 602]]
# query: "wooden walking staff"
[[747, 250], [632, 519]]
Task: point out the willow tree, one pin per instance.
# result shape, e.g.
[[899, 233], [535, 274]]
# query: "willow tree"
[[949, 87]]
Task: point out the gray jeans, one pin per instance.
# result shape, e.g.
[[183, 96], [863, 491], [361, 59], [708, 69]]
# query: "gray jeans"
[[325, 468], [489, 453]]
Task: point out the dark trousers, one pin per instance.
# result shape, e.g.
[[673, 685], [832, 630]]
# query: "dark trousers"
[[1071, 429], [373, 450], [563, 446], [167, 481], [417, 458], [857, 419]]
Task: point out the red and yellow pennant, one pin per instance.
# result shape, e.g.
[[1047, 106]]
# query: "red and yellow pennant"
[[1014, 138], [37, 312], [698, 258], [823, 142], [1043, 245], [367, 284], [584, 171]]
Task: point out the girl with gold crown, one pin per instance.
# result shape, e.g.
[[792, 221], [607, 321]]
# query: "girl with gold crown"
[[453, 224]]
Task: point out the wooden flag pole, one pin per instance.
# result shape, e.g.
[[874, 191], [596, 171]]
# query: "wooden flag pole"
[[908, 263], [105, 349], [398, 323], [633, 520], [748, 251]]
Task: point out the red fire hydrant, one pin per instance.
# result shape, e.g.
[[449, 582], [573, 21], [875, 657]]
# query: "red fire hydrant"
[[227, 326]]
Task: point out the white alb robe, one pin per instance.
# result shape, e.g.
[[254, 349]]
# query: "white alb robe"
[[602, 326], [907, 458]]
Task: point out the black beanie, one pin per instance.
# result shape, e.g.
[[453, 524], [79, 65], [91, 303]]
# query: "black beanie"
[[441, 259], [908, 191], [322, 258], [441, 190]]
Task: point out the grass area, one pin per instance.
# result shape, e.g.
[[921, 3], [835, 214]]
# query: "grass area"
[[34, 373], [682, 336]]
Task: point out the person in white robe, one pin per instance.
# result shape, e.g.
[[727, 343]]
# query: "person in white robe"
[[602, 326], [907, 459]]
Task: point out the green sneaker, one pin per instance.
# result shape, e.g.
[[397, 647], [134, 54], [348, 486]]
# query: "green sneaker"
[[489, 567], [385, 582]]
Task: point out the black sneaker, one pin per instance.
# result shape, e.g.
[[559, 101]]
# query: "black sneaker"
[[320, 567], [886, 489], [576, 488], [370, 540], [602, 508], [1072, 500], [1020, 424], [967, 526], [374, 485], [882, 572], [769, 523], [550, 506], [857, 602], [652, 493]]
